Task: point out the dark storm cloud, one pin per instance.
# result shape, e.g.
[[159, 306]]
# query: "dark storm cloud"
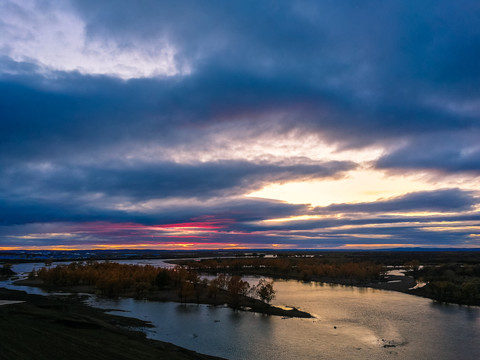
[[74, 112], [372, 222], [228, 210], [355, 74], [445, 154], [284, 34], [346, 70], [360, 72], [139, 182], [59, 193], [84, 112], [447, 200]]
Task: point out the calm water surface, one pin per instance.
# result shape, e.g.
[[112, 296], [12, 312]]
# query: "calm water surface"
[[350, 323]]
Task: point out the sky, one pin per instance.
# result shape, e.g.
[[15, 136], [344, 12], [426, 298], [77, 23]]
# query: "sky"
[[239, 124]]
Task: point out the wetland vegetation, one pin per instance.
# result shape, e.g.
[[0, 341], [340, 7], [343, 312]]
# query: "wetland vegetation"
[[181, 284], [452, 277], [42, 322]]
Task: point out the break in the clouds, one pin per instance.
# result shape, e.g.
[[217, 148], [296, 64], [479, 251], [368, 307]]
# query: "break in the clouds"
[[294, 124]]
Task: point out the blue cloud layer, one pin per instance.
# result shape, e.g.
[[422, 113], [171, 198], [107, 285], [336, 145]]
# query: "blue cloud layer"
[[403, 76]]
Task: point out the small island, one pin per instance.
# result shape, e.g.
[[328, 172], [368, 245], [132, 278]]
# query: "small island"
[[179, 284]]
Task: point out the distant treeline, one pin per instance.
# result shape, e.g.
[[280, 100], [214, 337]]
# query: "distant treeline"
[[304, 268], [112, 280], [392, 258], [456, 283]]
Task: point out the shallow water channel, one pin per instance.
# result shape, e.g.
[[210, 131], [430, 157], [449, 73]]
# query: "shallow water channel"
[[350, 323]]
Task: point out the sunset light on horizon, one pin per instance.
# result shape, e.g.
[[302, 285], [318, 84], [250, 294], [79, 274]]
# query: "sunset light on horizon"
[[239, 125]]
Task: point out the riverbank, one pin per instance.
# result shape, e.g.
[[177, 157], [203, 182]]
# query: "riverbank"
[[51, 328], [245, 303], [440, 278], [400, 283]]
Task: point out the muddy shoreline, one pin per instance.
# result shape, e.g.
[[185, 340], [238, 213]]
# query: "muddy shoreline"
[[52, 327]]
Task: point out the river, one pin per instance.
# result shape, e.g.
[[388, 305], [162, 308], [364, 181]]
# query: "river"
[[350, 323]]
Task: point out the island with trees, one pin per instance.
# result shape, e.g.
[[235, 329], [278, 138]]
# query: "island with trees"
[[181, 284]]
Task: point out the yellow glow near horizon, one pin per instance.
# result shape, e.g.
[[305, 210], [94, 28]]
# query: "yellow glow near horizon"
[[363, 185]]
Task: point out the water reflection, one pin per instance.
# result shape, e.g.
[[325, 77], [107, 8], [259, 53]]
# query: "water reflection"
[[185, 309], [353, 323]]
